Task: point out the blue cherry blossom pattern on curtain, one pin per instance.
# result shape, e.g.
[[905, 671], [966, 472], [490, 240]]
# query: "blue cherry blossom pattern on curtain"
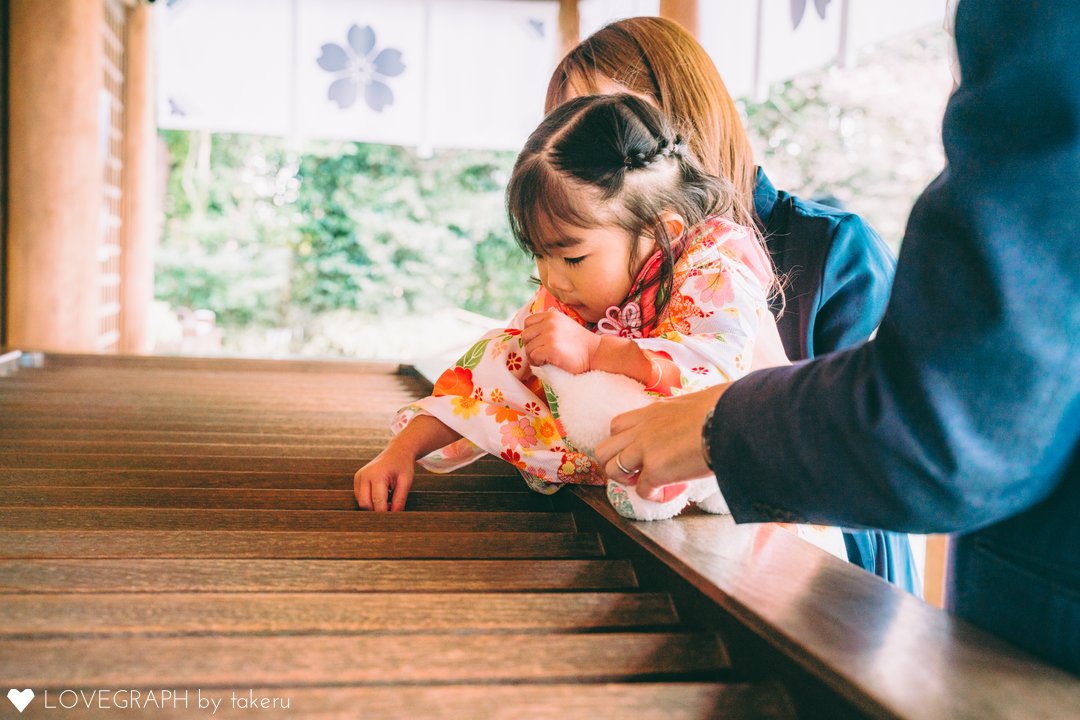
[[798, 9], [357, 65]]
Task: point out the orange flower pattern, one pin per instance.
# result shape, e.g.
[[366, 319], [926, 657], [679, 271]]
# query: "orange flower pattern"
[[491, 397]]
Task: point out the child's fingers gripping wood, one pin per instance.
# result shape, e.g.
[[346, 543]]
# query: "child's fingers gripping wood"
[[390, 474]]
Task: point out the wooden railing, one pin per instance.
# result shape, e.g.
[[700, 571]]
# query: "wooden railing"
[[188, 524]]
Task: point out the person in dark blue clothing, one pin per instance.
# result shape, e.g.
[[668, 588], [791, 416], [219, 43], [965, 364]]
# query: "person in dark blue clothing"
[[836, 271], [963, 413], [838, 276]]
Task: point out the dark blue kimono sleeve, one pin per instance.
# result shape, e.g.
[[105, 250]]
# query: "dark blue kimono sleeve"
[[965, 409]]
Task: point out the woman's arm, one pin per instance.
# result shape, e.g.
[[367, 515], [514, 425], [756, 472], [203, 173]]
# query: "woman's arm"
[[962, 411], [854, 288]]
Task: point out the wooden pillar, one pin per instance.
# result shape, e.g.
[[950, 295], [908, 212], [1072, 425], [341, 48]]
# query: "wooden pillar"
[[569, 25], [684, 12], [937, 570], [5, 35], [139, 203], [54, 174]]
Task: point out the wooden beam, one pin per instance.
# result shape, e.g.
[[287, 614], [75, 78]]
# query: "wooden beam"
[[684, 12], [54, 174], [937, 555], [569, 25], [140, 187]]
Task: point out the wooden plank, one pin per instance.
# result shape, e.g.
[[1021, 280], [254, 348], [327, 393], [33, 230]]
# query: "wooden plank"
[[257, 388], [131, 402], [136, 399], [374, 423], [215, 575], [118, 363], [347, 463], [241, 499], [183, 519], [42, 544], [215, 661], [847, 628], [28, 437], [423, 480], [261, 383], [573, 701], [247, 446], [233, 420], [236, 391], [41, 615]]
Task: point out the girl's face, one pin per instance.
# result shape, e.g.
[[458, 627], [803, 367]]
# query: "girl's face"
[[588, 269]]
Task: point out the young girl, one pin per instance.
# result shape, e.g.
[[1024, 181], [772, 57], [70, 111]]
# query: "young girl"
[[642, 273], [837, 273]]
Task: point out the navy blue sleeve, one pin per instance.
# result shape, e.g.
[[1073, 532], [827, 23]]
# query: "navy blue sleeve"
[[855, 287], [965, 408]]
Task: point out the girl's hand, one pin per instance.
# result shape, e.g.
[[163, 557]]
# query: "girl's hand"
[[390, 472], [553, 338], [768, 348]]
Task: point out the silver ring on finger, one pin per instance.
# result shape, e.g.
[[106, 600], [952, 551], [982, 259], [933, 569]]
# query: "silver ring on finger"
[[626, 471]]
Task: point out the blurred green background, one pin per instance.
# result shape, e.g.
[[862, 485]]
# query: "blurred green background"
[[342, 249]]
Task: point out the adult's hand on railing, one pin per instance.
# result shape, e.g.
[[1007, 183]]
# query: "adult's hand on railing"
[[662, 441]]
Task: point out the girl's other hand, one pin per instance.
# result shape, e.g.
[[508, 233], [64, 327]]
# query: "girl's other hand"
[[553, 338], [768, 348], [391, 472]]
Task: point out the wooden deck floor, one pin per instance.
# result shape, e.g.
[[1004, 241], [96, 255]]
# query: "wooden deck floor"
[[189, 526], [180, 527]]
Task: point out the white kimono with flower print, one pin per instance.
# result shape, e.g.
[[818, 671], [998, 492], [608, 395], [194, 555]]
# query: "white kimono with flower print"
[[493, 400]]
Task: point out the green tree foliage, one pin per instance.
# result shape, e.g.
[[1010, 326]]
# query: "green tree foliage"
[[224, 245], [382, 230], [336, 240], [268, 235]]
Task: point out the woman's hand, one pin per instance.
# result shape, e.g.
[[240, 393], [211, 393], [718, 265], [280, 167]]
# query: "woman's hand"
[[553, 338], [390, 472], [662, 441]]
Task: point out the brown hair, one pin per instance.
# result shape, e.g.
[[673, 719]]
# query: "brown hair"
[[623, 153], [656, 58]]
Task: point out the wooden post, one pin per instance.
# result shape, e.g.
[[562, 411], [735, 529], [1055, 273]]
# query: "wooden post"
[[937, 561], [684, 12], [569, 25], [54, 174], [139, 200], [5, 35]]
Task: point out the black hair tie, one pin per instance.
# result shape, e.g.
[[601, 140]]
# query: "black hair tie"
[[635, 160]]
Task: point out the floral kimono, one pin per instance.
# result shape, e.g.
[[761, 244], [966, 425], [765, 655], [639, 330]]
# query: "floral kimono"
[[491, 397]]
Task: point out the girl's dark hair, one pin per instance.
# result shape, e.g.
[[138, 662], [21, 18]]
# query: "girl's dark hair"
[[624, 155]]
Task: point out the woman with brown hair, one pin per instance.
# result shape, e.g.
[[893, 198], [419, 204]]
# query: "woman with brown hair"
[[835, 270]]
